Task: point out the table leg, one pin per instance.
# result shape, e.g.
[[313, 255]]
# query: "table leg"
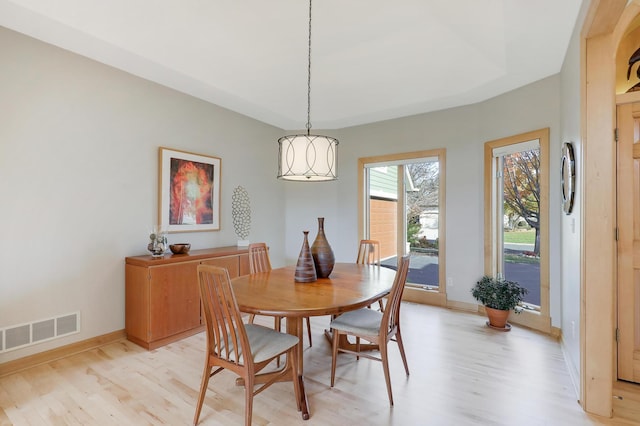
[[294, 326]]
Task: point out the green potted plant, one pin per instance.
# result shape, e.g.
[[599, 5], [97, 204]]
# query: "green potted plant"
[[499, 296]]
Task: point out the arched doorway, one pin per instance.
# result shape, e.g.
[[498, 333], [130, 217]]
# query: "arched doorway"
[[605, 26]]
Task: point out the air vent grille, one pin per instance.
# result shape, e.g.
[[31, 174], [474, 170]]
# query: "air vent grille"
[[23, 335]]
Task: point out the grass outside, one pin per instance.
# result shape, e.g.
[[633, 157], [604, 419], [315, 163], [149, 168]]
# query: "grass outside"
[[513, 258], [520, 237]]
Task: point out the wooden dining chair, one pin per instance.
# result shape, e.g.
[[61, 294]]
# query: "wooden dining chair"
[[369, 254], [244, 349], [375, 327], [259, 258], [259, 261]]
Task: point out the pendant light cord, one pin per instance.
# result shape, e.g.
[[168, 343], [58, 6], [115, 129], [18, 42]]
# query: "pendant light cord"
[[309, 77]]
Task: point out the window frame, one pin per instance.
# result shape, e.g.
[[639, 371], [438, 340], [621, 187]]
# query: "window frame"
[[538, 320]]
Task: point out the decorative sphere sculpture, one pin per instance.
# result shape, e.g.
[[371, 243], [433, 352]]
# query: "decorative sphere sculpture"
[[241, 212]]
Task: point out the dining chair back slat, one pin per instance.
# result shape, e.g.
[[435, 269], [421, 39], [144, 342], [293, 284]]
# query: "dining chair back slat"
[[259, 258], [391, 316], [369, 254]]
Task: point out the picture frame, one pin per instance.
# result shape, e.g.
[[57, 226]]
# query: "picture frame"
[[189, 191]]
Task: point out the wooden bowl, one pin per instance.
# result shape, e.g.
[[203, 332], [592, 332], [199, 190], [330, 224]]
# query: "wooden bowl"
[[182, 248]]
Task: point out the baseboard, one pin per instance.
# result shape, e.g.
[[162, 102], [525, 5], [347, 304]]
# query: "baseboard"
[[425, 297], [20, 364], [572, 368], [462, 306]]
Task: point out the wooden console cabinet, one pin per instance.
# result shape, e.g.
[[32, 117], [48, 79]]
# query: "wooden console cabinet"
[[162, 301]]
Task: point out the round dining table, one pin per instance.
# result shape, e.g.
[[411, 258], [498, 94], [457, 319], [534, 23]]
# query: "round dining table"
[[350, 286]]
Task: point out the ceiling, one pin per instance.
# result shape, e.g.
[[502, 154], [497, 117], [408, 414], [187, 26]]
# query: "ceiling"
[[372, 60]]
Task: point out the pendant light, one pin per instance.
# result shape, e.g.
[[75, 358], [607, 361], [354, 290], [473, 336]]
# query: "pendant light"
[[308, 157]]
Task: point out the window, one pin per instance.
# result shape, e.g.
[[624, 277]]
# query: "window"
[[516, 219], [402, 206]]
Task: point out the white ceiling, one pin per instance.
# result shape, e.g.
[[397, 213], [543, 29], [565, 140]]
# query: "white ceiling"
[[371, 59]]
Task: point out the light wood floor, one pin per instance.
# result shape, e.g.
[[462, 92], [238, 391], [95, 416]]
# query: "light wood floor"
[[462, 373]]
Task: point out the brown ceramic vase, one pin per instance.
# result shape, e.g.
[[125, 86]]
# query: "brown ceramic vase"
[[305, 268], [322, 253]]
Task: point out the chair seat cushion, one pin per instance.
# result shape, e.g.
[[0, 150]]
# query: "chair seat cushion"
[[267, 343], [363, 321]]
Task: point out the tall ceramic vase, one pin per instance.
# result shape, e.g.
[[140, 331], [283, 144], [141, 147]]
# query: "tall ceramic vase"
[[322, 253], [305, 269]]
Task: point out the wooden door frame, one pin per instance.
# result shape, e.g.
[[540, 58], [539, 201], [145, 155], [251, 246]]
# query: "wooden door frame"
[[604, 26]]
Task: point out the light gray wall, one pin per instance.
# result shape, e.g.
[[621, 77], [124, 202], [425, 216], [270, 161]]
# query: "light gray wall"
[[571, 225], [79, 181]]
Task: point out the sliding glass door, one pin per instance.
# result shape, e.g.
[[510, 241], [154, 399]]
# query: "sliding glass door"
[[402, 207]]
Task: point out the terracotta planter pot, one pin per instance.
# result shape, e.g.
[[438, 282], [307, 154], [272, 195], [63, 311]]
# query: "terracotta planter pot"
[[498, 318]]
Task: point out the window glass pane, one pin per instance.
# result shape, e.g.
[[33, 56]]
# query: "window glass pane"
[[422, 181], [383, 207], [420, 186], [521, 221]]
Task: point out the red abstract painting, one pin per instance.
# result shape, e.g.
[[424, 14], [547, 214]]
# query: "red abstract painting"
[[190, 192]]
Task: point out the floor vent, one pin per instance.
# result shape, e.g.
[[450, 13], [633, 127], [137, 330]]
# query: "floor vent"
[[20, 336]]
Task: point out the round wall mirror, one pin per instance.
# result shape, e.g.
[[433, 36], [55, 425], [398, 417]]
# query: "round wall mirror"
[[568, 177]]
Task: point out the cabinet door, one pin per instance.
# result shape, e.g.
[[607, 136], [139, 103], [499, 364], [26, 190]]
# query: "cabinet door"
[[174, 299], [136, 302], [230, 262]]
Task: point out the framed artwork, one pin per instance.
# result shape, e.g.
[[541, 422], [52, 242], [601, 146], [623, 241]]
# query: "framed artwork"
[[189, 186]]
